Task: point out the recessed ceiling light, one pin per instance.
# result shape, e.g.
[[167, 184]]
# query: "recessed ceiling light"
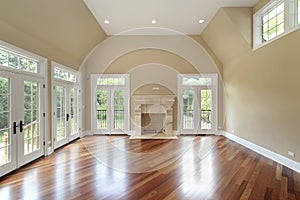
[[106, 22], [156, 88], [153, 21], [201, 21]]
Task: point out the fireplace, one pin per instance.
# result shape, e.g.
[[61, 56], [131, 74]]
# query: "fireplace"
[[153, 115]]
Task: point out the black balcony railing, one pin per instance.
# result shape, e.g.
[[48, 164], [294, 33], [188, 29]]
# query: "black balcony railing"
[[205, 119], [101, 119], [188, 119], [119, 119]]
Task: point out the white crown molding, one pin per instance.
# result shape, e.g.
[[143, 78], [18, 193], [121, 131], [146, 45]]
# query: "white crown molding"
[[265, 152]]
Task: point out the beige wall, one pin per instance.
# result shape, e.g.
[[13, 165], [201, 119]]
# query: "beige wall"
[[262, 98], [148, 60], [52, 29]]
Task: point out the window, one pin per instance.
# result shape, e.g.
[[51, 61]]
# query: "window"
[[273, 22], [276, 19], [63, 74], [111, 81]]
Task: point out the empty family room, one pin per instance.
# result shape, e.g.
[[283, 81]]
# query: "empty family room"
[[139, 99]]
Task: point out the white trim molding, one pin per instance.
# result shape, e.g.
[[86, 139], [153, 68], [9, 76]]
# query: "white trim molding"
[[265, 152]]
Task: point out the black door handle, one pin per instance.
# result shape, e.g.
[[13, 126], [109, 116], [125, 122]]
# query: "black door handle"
[[15, 127], [21, 126], [68, 117]]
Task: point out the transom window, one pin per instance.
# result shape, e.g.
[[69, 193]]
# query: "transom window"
[[111, 81], [63, 74], [12, 60]]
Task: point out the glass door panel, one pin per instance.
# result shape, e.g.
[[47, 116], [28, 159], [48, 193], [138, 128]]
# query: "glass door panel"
[[206, 109], [30, 120], [188, 109], [5, 121], [31, 117], [119, 110], [65, 119], [60, 121], [101, 109]]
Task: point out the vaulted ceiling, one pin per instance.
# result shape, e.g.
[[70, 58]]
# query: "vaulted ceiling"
[[176, 15]]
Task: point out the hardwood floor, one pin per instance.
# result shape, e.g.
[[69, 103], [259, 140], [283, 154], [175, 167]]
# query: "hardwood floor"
[[114, 167]]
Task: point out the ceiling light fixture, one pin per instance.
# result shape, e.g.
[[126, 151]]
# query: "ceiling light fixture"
[[106, 22], [201, 21], [153, 21]]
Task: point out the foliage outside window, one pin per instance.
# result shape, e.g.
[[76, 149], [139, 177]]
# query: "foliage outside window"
[[64, 75], [196, 81], [111, 81], [15, 61]]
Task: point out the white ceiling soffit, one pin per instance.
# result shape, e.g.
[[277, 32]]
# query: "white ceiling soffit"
[[134, 17]]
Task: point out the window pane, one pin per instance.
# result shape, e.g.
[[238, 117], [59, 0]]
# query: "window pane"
[[280, 18], [188, 109], [280, 29], [206, 109], [13, 61], [4, 85], [3, 58], [196, 81], [64, 75], [272, 22]]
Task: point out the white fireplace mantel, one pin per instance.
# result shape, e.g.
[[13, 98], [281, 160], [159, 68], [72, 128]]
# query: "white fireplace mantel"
[[154, 104]]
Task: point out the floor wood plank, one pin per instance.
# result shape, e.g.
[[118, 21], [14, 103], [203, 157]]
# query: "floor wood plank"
[[114, 167]]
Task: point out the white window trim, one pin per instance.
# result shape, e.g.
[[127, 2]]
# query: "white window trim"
[[42, 74], [213, 86], [57, 81], [94, 86], [42, 62], [65, 68], [289, 23]]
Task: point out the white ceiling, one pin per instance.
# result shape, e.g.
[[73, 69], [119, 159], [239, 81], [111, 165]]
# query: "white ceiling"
[[131, 17]]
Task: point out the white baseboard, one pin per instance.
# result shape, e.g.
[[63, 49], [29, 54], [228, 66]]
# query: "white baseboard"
[[265, 152]]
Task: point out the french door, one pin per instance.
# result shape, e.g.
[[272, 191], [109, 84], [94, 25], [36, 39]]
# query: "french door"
[[66, 113], [21, 120], [111, 109], [198, 110]]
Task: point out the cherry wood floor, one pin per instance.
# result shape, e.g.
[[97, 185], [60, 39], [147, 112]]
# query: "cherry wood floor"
[[114, 167]]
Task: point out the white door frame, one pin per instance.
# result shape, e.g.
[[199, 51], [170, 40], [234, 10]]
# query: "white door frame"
[[110, 88], [197, 88], [68, 86], [18, 158]]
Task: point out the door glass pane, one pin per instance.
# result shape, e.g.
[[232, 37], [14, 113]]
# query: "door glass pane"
[[101, 106], [5, 129], [119, 119], [188, 109], [60, 112], [74, 111], [206, 109], [31, 117]]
